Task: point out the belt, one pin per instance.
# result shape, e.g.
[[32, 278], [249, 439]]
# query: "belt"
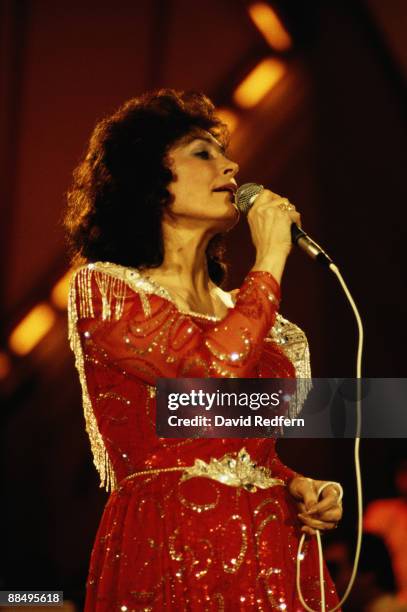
[[233, 470]]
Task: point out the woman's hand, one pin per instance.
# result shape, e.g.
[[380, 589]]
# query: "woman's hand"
[[322, 515], [270, 220]]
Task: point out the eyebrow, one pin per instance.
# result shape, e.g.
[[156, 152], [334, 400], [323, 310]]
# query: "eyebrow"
[[211, 141]]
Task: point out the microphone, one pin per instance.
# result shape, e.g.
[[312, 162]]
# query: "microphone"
[[244, 199]]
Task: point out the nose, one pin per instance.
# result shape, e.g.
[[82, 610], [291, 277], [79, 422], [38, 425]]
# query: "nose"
[[231, 168]]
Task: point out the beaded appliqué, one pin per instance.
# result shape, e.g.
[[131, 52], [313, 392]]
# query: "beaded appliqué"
[[113, 281], [84, 308], [238, 471], [293, 342], [235, 357]]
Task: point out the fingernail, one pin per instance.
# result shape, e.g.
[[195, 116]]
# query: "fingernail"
[[312, 509]]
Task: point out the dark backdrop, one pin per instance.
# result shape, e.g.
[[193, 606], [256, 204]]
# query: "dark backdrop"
[[330, 136]]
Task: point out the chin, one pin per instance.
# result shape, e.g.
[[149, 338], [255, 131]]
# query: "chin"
[[229, 220], [232, 218]]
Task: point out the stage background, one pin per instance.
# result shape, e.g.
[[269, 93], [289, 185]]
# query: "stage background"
[[330, 135]]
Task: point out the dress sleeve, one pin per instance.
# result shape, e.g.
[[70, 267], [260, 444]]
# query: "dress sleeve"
[[146, 336], [282, 471]]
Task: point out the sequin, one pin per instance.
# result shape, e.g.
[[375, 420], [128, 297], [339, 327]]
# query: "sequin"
[[234, 564], [210, 505], [235, 471], [234, 356], [167, 541]]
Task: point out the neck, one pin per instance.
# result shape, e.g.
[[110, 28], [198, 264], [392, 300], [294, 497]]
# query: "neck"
[[184, 271], [185, 263]]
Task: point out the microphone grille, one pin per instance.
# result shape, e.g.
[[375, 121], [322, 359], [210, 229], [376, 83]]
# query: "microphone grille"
[[246, 195]]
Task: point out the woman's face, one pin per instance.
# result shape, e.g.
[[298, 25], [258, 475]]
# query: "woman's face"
[[204, 183]]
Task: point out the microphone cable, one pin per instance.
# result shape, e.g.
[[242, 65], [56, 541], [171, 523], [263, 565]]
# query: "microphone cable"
[[244, 200], [300, 554]]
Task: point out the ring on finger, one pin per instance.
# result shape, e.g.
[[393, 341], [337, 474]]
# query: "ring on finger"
[[286, 206]]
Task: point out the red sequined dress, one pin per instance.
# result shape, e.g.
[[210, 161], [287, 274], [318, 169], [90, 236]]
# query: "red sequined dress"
[[164, 542]]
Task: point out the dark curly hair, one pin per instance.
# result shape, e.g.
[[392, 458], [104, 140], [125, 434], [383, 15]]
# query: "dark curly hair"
[[120, 190]]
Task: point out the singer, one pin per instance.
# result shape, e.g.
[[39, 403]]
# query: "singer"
[[146, 212]]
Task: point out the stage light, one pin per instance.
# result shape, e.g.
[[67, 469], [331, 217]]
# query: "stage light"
[[30, 331], [229, 117], [59, 294], [259, 82], [268, 23]]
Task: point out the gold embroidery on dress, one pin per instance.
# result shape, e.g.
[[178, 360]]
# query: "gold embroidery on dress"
[[234, 357], [113, 293], [112, 281], [143, 285], [266, 521], [215, 367], [85, 293], [194, 362], [238, 471], [270, 571], [220, 599], [160, 341], [109, 274], [265, 502], [233, 469], [179, 556], [152, 392], [100, 455], [112, 395], [201, 573], [263, 576], [175, 556], [198, 507], [149, 594], [293, 342], [145, 304], [236, 562]]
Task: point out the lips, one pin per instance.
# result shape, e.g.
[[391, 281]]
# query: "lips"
[[230, 187]]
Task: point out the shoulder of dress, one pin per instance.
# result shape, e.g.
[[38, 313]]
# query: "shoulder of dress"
[[284, 332], [131, 276], [294, 344], [104, 285]]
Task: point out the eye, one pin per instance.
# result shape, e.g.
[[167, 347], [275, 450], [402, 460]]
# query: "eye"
[[203, 154]]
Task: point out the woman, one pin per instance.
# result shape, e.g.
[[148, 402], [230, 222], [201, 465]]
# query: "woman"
[[148, 204]]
